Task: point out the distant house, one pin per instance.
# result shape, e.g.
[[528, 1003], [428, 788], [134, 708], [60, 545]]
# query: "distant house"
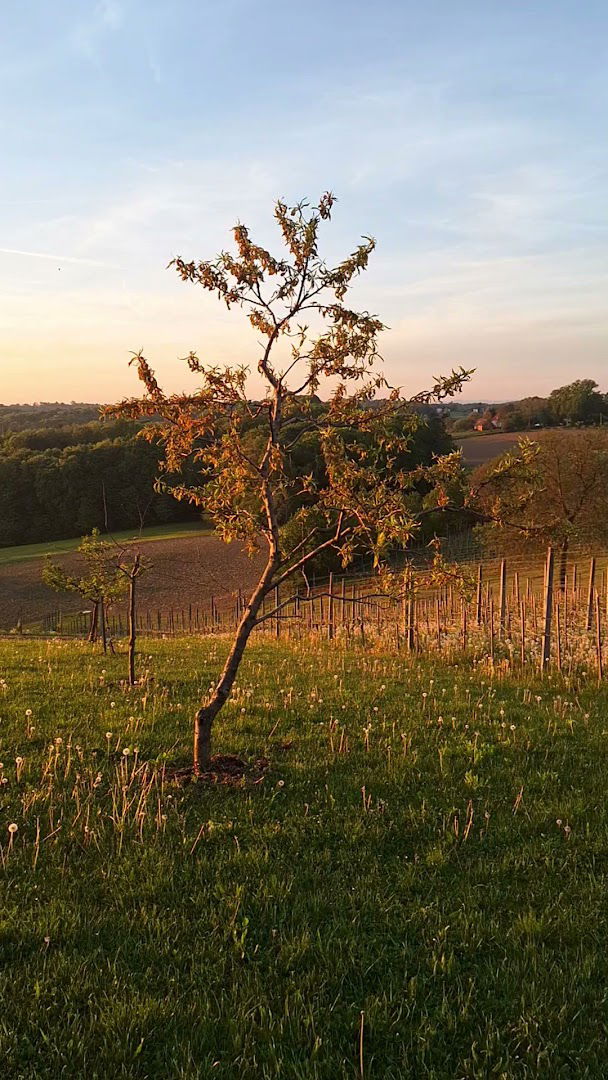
[[485, 424]]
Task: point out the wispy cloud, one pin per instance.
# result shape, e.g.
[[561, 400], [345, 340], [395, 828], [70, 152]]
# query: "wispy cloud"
[[110, 13], [153, 65], [108, 17], [54, 258]]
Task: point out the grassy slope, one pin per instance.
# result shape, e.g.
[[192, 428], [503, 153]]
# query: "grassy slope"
[[23, 552], [134, 949]]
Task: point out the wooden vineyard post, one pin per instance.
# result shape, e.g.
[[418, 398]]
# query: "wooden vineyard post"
[[522, 617], [558, 636], [502, 599], [598, 638], [464, 624], [104, 636], [545, 655], [330, 609], [277, 625], [479, 593], [411, 615], [590, 589]]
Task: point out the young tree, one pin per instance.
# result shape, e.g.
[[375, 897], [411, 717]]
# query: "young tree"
[[310, 338], [560, 497], [101, 584], [132, 569]]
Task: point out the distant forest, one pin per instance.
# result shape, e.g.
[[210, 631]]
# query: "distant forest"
[[64, 472], [45, 414]]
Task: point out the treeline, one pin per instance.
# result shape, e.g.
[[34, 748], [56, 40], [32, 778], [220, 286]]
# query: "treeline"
[[577, 403], [61, 480], [47, 414]]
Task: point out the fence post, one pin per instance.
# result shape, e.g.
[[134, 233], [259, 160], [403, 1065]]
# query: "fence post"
[[479, 593], [598, 638], [502, 600], [548, 612], [277, 623], [558, 634], [410, 626], [330, 609], [591, 587]]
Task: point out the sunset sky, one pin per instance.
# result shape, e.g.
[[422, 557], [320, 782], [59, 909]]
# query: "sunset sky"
[[468, 137]]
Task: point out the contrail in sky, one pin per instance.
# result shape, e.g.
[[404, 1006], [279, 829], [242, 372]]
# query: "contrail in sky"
[[53, 258]]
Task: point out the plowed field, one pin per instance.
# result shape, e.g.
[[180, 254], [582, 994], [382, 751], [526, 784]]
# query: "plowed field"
[[184, 571]]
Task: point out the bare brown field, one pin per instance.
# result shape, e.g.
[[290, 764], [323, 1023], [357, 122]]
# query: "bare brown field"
[[478, 449], [184, 571]]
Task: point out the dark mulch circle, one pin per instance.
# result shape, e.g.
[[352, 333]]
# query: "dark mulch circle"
[[224, 769]]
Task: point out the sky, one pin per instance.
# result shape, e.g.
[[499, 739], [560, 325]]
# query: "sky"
[[469, 138]]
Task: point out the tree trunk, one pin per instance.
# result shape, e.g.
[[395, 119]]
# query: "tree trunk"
[[203, 721], [132, 629], [94, 619]]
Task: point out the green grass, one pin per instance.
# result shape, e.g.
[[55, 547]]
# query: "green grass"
[[427, 856], [174, 531]]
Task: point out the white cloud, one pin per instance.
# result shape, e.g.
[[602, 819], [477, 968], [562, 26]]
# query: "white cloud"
[[86, 37], [110, 13]]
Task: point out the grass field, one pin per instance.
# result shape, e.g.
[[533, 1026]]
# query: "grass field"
[[24, 552], [415, 887]]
